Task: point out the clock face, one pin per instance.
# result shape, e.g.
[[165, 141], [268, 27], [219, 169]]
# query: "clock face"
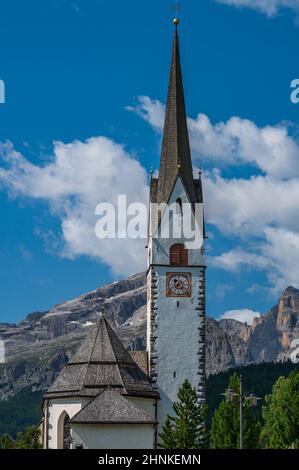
[[178, 285]]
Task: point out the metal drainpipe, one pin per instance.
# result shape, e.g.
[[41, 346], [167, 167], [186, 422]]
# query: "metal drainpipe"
[[156, 426], [47, 424], [241, 413]]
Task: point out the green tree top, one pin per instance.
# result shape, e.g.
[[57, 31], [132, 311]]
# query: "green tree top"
[[281, 414], [225, 431], [28, 439], [186, 429], [6, 442]]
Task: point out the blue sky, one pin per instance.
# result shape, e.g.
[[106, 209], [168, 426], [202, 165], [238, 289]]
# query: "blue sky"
[[71, 70]]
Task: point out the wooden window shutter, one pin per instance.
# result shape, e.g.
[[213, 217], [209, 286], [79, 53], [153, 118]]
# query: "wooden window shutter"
[[184, 256], [175, 255], [178, 255]]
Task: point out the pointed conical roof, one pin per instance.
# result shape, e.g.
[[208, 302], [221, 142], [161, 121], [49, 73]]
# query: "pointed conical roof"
[[101, 361], [103, 345], [175, 154]]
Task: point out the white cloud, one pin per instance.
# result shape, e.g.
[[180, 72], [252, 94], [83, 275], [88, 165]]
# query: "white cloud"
[[281, 249], [277, 254], [240, 141], [235, 142], [152, 111], [80, 176], [269, 7], [236, 259], [222, 290], [244, 207], [259, 213], [243, 315]]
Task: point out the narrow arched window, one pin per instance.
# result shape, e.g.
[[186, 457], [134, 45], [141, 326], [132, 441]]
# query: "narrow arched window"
[[66, 432], [63, 431], [179, 206], [178, 255]]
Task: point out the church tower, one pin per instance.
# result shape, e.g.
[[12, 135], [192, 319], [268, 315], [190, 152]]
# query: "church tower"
[[176, 268]]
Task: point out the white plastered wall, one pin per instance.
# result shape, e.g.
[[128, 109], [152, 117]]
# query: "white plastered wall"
[[177, 320], [146, 404], [71, 406], [55, 409], [159, 247], [113, 436], [177, 344]]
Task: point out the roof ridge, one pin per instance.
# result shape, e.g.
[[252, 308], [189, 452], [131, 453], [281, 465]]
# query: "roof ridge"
[[129, 412], [108, 328], [85, 375]]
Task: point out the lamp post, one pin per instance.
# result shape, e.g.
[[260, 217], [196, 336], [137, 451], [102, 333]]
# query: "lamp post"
[[241, 413], [251, 398]]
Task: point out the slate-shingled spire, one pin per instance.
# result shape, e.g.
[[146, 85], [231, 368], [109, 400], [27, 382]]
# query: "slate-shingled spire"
[[175, 154], [101, 361]]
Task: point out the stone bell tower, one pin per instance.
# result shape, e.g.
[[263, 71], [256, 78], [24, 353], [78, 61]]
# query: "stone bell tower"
[[176, 269]]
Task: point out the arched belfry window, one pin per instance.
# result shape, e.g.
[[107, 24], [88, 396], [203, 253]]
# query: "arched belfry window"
[[64, 431], [178, 255], [179, 206]]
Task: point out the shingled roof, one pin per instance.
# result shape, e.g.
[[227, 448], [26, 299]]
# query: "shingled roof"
[[110, 407], [175, 154], [102, 361]]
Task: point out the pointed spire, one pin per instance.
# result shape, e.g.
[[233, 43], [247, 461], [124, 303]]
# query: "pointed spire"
[[101, 361], [101, 313], [175, 154]]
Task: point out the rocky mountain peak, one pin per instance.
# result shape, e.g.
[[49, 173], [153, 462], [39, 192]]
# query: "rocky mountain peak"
[[38, 347], [287, 321], [290, 290], [289, 299]]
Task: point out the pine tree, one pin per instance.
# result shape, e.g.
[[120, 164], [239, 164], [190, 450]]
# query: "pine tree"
[[186, 429], [29, 439], [6, 442], [225, 431], [281, 414], [167, 435]]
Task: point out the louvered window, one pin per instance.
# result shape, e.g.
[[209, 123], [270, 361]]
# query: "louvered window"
[[178, 255]]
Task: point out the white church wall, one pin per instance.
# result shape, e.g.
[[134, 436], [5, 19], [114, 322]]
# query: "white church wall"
[[146, 404], [114, 436], [173, 323], [159, 250], [177, 344], [148, 314], [159, 247], [56, 408]]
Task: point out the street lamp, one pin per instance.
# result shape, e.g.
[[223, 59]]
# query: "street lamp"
[[229, 395], [251, 398]]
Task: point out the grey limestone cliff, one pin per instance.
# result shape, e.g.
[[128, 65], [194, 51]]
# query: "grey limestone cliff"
[[38, 347]]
